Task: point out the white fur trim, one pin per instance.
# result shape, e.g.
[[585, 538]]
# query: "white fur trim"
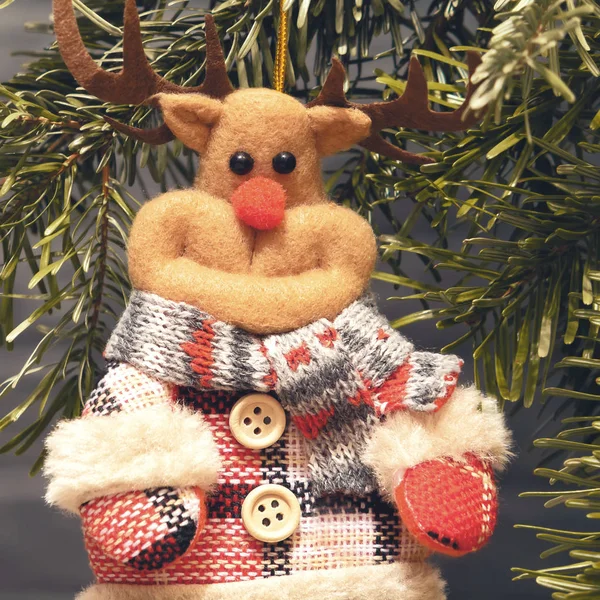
[[398, 581], [468, 422], [99, 455]]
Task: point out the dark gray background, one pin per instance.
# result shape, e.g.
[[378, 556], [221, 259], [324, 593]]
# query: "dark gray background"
[[41, 552]]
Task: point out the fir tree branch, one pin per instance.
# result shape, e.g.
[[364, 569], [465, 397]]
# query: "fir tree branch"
[[514, 203], [522, 195]]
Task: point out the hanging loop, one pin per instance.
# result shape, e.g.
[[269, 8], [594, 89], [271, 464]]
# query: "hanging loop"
[[282, 49]]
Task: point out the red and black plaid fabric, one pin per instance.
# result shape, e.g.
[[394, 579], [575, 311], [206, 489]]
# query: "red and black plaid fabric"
[[146, 530]]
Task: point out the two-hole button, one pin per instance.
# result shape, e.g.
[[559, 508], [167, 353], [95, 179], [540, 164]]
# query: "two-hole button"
[[257, 421]]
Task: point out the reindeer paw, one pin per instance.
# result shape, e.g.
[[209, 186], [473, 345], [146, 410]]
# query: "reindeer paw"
[[146, 530], [449, 506]]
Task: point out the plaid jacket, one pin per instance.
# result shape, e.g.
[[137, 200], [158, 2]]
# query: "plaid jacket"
[[336, 531]]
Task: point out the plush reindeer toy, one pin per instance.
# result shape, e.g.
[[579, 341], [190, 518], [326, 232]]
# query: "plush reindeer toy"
[[261, 432]]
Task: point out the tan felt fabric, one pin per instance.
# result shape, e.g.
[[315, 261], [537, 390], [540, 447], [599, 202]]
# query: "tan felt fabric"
[[399, 581], [190, 117], [189, 247], [99, 455], [337, 129], [468, 422]]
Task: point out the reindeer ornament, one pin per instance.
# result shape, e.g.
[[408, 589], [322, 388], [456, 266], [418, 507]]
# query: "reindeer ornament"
[[261, 432]]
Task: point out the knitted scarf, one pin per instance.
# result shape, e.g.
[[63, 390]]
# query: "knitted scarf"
[[335, 379]]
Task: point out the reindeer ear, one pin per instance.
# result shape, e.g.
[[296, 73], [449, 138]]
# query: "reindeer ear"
[[190, 117], [337, 129]]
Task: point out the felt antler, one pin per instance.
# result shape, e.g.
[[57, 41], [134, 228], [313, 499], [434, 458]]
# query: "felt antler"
[[137, 82], [409, 110]]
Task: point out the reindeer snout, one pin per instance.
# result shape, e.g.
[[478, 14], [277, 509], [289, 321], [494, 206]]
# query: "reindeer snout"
[[259, 203]]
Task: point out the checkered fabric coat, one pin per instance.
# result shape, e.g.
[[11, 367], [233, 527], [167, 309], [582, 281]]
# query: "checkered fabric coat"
[[335, 531]]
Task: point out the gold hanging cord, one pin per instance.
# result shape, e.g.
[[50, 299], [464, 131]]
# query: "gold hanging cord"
[[282, 49]]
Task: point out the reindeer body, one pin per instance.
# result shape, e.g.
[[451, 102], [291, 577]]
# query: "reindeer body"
[[261, 431]]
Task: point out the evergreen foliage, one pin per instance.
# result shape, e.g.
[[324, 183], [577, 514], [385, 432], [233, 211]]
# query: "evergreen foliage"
[[514, 203]]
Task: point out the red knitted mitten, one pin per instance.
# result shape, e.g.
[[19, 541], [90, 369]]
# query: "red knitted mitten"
[[449, 506], [146, 530]]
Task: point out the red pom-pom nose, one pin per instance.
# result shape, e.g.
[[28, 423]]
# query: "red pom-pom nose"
[[259, 202]]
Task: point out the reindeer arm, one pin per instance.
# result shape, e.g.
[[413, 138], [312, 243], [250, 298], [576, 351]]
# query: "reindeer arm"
[[435, 446], [159, 262], [132, 436], [469, 423], [438, 468], [135, 467]]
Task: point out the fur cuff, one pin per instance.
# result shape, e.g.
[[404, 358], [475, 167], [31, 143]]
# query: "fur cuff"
[[469, 422], [397, 581], [155, 447]]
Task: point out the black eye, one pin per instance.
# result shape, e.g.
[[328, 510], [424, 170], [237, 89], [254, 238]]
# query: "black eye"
[[284, 162], [241, 163]]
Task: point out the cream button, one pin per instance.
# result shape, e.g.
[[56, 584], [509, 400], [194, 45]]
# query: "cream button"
[[271, 513], [257, 421]]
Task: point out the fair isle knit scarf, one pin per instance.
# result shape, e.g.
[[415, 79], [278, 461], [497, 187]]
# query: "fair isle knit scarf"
[[335, 379]]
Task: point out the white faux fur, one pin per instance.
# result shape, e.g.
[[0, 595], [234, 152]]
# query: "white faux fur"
[[469, 422], [99, 455], [398, 581]]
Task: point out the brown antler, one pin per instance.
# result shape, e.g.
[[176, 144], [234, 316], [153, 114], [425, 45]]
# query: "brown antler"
[[137, 82], [409, 110]]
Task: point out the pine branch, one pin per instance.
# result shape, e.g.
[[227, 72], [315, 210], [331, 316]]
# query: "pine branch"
[[514, 203], [521, 192], [526, 44]]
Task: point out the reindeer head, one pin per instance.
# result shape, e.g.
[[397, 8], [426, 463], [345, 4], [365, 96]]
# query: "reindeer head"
[[259, 170]]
